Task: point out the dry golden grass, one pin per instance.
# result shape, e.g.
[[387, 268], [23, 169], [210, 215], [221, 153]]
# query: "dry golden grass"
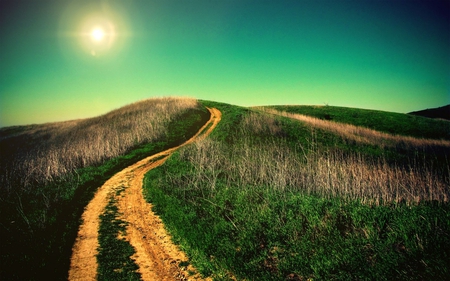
[[277, 165], [42, 153]]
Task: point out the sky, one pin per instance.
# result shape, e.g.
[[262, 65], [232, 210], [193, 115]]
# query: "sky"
[[63, 60]]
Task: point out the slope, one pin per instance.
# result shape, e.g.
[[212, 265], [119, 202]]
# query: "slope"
[[271, 198], [388, 122], [442, 112], [39, 219]]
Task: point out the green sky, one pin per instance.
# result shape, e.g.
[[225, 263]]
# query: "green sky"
[[387, 55]]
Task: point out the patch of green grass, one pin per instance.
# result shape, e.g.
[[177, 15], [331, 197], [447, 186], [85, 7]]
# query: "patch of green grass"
[[114, 262], [389, 122], [259, 234], [226, 127], [40, 237]]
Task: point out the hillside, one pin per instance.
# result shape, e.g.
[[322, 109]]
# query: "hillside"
[[268, 197], [271, 194], [50, 172], [389, 122], [442, 112]]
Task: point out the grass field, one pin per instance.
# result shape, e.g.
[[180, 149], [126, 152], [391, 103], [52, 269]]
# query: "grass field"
[[274, 193], [272, 198], [51, 171]]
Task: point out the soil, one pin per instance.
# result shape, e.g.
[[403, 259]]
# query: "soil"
[[157, 257]]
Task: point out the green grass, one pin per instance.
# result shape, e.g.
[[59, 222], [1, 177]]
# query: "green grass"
[[389, 122], [41, 239], [260, 232], [114, 262], [258, 235]]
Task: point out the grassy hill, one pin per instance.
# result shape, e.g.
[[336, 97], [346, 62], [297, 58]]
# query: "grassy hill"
[[442, 112], [268, 196], [50, 172], [389, 122]]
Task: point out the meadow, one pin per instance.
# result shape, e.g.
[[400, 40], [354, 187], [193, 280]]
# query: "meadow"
[[51, 171], [274, 193], [269, 197]]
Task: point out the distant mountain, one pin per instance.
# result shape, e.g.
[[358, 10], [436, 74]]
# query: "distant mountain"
[[438, 112]]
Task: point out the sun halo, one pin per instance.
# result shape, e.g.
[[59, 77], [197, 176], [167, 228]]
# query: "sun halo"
[[97, 34]]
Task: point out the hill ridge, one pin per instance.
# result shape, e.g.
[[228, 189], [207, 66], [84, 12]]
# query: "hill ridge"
[[442, 112]]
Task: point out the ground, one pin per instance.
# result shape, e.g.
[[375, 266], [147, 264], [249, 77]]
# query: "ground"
[[156, 255]]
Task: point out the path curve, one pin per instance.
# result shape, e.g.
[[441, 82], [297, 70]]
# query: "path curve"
[[157, 257]]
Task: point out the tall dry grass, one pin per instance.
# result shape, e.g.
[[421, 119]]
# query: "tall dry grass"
[[279, 166], [42, 153]]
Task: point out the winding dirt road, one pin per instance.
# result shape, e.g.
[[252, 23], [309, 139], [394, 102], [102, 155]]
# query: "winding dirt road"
[[157, 257]]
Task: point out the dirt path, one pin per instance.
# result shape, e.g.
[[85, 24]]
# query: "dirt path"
[[157, 257]]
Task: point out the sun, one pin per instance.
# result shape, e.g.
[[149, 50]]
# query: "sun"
[[97, 34], [100, 34]]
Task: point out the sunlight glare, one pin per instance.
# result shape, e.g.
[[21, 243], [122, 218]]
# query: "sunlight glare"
[[97, 34], [100, 31]]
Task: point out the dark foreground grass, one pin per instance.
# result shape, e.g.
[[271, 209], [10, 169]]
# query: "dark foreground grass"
[[39, 237], [258, 232]]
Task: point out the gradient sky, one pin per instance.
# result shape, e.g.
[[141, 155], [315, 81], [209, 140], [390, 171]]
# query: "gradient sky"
[[386, 55]]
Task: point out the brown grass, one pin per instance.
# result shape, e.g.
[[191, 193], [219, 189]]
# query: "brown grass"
[[280, 167], [42, 153]]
